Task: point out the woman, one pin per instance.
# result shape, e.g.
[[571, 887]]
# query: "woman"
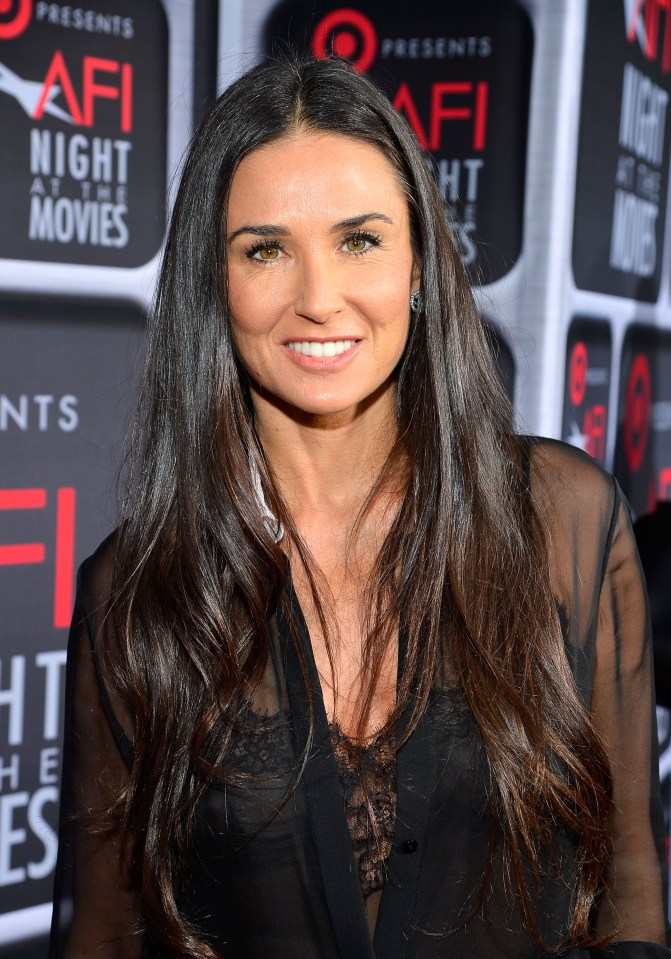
[[362, 673]]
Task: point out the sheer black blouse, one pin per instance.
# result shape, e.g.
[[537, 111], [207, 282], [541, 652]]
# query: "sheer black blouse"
[[277, 878]]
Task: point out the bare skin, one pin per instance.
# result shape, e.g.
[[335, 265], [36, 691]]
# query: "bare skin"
[[320, 253]]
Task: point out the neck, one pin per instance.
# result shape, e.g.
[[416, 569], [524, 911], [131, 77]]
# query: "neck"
[[327, 463]]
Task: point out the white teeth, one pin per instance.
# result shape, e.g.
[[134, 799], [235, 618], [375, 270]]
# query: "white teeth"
[[330, 348]]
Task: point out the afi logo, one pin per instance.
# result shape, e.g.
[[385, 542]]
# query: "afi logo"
[[102, 79], [20, 12], [643, 20]]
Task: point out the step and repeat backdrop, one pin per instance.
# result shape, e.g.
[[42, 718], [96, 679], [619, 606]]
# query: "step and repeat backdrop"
[[548, 124]]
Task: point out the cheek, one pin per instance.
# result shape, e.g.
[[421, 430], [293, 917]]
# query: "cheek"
[[394, 310], [242, 303], [401, 327], [253, 308], [258, 301], [244, 326]]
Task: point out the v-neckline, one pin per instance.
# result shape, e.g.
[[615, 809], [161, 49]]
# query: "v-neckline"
[[325, 804]]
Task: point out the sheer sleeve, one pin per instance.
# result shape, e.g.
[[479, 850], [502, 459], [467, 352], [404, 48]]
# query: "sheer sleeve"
[[96, 912], [623, 711]]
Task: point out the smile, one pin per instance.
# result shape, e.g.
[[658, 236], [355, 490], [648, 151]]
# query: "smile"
[[312, 348]]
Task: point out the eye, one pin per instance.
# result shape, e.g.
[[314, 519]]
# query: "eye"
[[360, 243], [266, 252]]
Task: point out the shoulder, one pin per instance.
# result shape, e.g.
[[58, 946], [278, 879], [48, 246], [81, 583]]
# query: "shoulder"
[[579, 506], [568, 485], [100, 564], [93, 649], [95, 579]]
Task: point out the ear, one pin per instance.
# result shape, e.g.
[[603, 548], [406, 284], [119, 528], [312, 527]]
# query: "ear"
[[416, 274]]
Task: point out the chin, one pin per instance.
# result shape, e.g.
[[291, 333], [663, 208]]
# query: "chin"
[[344, 409], [301, 404], [328, 408]]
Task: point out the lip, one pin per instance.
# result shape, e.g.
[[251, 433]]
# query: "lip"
[[321, 362]]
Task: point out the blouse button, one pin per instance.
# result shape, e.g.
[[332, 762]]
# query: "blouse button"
[[410, 845]]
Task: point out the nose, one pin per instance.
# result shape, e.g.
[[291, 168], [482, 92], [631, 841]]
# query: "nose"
[[318, 294]]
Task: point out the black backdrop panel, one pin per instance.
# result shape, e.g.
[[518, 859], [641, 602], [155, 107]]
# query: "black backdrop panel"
[[623, 149], [67, 378], [460, 73], [84, 170]]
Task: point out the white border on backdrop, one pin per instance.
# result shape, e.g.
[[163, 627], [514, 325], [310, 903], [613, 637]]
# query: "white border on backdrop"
[[24, 924], [548, 213]]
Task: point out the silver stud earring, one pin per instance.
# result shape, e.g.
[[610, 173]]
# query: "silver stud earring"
[[416, 301]]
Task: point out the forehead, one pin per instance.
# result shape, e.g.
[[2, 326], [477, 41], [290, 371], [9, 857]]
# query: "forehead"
[[324, 175]]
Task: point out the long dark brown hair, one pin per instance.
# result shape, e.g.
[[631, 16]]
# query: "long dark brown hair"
[[198, 575]]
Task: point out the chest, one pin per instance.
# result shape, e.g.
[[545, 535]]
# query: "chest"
[[275, 869], [356, 666]]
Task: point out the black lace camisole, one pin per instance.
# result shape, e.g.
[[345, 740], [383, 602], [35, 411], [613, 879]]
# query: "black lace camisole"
[[367, 776]]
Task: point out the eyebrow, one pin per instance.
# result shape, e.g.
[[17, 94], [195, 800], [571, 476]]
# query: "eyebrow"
[[271, 229], [264, 229], [355, 221]]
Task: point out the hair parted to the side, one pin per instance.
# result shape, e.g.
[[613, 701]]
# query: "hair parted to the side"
[[464, 565]]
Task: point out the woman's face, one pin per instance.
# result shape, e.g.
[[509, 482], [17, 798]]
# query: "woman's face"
[[320, 271]]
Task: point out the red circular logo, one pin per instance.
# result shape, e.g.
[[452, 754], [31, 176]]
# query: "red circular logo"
[[346, 33], [577, 373], [637, 412], [20, 12]]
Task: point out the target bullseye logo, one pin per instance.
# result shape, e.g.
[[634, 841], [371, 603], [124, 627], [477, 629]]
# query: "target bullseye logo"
[[346, 33], [578, 373], [637, 412], [14, 17]]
